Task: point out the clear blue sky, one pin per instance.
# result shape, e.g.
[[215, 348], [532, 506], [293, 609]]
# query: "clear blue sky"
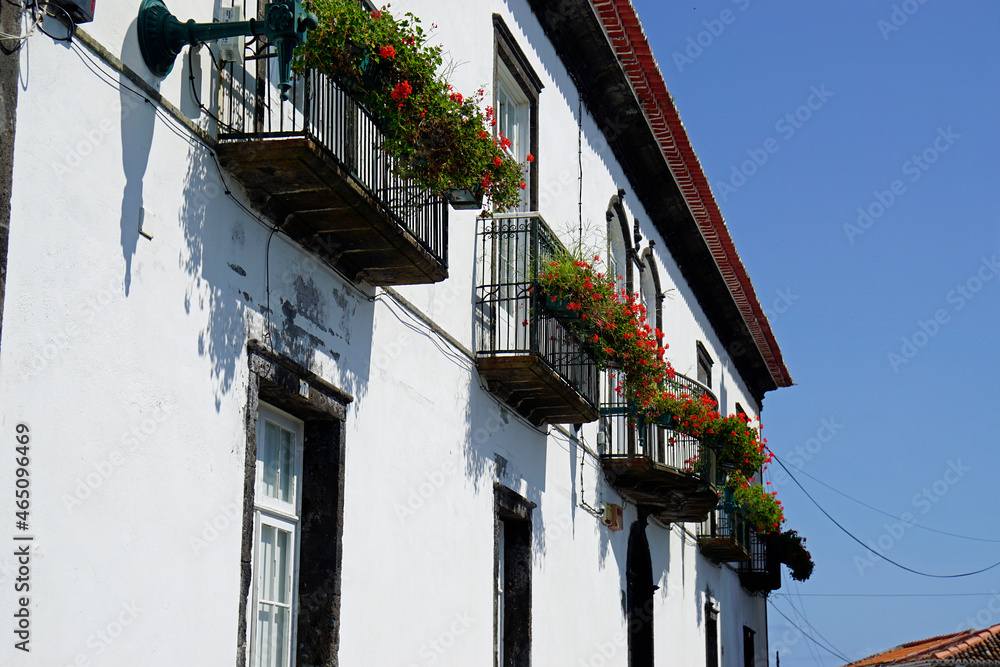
[[894, 109]]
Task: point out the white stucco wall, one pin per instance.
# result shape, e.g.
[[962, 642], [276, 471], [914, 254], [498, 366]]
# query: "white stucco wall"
[[127, 358]]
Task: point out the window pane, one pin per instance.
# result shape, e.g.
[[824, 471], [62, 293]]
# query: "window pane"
[[265, 632], [272, 636], [274, 580], [276, 456], [287, 459], [281, 574], [273, 596], [268, 456]]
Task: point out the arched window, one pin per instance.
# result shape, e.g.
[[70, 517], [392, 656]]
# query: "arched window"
[[621, 439], [651, 297], [649, 289], [619, 247]]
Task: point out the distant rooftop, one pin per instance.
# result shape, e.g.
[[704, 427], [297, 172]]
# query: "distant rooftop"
[[966, 647]]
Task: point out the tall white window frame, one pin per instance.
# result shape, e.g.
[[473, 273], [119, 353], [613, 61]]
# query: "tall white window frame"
[[648, 294], [618, 256], [617, 250], [277, 512], [512, 110]]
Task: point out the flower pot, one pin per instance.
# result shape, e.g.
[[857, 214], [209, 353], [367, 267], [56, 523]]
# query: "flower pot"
[[369, 75], [561, 310], [464, 199], [668, 421], [726, 464]]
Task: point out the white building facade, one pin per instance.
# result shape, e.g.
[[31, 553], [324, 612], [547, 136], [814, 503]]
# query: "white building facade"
[[281, 410]]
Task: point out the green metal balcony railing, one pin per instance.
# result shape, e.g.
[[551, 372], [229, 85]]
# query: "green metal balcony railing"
[[656, 465], [726, 535]]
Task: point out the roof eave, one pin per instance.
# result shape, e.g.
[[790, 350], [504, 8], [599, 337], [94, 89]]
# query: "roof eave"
[[602, 45]]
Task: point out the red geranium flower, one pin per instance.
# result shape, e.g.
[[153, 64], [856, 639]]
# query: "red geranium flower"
[[402, 90]]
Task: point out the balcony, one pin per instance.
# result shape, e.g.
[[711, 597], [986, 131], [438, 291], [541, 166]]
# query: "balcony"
[[670, 473], [762, 572], [725, 536], [314, 165], [526, 355]]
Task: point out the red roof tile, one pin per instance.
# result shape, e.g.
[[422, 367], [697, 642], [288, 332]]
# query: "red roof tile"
[[630, 44], [958, 647]]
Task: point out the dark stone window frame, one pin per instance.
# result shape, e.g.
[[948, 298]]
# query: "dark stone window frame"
[[711, 634], [647, 261], [639, 592], [506, 51], [515, 512], [704, 362], [278, 381], [616, 209], [748, 646]]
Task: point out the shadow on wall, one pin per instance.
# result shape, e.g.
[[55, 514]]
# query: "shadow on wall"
[[204, 213], [235, 265], [137, 121]]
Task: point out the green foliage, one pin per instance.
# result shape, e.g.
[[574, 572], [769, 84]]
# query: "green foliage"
[[762, 509], [612, 322], [737, 442], [438, 137], [794, 554]]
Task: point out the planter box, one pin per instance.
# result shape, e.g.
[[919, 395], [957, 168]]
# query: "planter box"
[[464, 199]]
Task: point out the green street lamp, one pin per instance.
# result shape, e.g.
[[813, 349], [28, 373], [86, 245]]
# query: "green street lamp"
[[162, 36]]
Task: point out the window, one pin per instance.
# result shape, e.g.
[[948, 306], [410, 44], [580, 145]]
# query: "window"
[[618, 246], [515, 101], [513, 580], [649, 292], [289, 610], [277, 504], [621, 435], [711, 635], [748, 635], [639, 590], [704, 366], [512, 114]]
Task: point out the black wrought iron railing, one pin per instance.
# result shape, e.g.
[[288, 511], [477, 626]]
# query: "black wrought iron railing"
[[726, 522], [320, 109], [512, 318], [762, 573], [627, 434]]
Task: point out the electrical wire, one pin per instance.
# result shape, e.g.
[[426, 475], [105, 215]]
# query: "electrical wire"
[[579, 158], [194, 89], [893, 516], [807, 636], [109, 80], [69, 23], [196, 140], [886, 559], [21, 39], [892, 595], [802, 613], [267, 287]]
